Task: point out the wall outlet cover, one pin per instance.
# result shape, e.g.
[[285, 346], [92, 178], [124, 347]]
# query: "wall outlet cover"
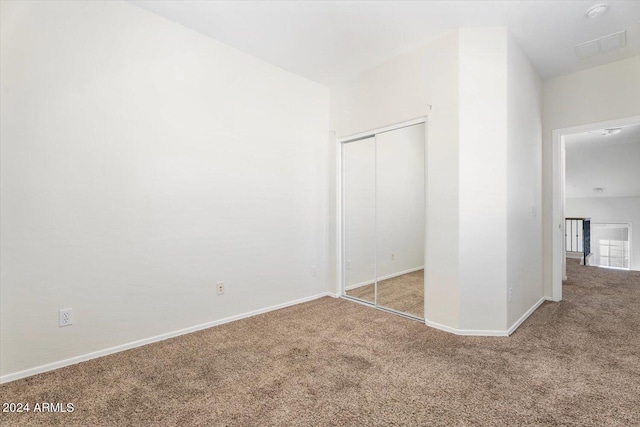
[[65, 317]]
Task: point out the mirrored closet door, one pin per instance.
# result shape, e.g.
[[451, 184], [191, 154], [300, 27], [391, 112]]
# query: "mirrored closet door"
[[384, 219], [359, 211]]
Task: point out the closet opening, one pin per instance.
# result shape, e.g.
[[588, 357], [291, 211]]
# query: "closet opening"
[[382, 218]]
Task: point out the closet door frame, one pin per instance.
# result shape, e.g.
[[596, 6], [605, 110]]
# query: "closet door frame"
[[340, 222]]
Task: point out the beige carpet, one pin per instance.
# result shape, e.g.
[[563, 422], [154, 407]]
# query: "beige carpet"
[[335, 362], [403, 293]]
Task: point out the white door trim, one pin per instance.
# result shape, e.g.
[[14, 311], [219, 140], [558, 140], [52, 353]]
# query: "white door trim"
[[373, 132], [558, 262]]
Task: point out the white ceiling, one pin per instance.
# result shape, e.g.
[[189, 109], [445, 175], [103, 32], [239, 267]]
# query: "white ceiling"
[[330, 41], [609, 162]]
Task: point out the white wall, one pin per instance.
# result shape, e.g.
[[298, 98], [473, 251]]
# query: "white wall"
[[610, 209], [142, 163], [608, 92], [483, 178], [399, 90], [524, 184], [499, 142]]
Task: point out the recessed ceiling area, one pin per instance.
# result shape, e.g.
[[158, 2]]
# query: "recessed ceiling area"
[[332, 41], [595, 161]]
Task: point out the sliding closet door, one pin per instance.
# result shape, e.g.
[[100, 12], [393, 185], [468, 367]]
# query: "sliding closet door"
[[400, 218], [359, 222]]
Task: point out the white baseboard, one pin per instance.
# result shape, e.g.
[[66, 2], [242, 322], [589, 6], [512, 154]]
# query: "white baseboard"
[[82, 358], [388, 276], [525, 316], [468, 332], [574, 255], [488, 333]]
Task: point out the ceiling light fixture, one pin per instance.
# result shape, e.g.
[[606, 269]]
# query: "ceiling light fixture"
[[594, 11], [613, 131], [598, 189]]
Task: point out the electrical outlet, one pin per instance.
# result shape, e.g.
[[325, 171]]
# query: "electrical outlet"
[[393, 256], [314, 271], [510, 294], [65, 317], [348, 265], [220, 288]]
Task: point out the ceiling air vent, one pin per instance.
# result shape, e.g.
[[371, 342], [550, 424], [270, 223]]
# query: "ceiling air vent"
[[602, 45]]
